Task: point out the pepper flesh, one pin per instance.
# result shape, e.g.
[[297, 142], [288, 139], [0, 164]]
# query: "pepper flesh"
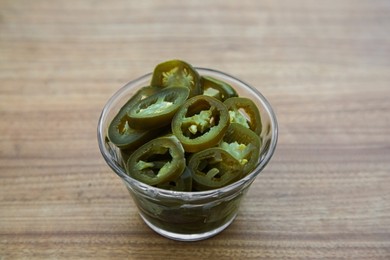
[[214, 168], [158, 161], [216, 88], [121, 133], [182, 183], [200, 123], [157, 110], [243, 144], [245, 112], [176, 73]]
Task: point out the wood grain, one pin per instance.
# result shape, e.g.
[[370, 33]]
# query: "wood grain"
[[324, 66]]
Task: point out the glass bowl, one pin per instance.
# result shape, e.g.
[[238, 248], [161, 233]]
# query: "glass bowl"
[[188, 216]]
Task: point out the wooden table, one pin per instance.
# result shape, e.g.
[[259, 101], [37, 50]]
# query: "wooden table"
[[323, 65]]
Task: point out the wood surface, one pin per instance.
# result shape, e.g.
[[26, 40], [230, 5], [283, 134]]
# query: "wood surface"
[[323, 65]]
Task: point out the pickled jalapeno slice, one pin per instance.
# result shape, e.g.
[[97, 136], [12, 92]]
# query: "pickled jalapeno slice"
[[216, 88], [182, 183], [176, 73], [200, 123], [159, 161], [157, 110], [245, 112], [243, 144], [214, 168], [120, 133]]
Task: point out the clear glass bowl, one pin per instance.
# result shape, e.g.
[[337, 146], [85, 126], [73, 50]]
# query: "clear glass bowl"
[[187, 216]]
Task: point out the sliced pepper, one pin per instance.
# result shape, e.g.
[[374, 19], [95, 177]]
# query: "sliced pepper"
[[216, 88], [182, 183], [214, 168], [120, 133], [245, 112], [200, 123], [158, 161], [243, 144], [157, 110], [177, 73]]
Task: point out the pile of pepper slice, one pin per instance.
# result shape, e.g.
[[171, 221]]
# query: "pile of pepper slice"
[[187, 132]]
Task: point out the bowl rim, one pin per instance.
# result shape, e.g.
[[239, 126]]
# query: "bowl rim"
[[189, 195]]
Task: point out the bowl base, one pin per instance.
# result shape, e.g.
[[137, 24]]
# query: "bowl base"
[[188, 237]]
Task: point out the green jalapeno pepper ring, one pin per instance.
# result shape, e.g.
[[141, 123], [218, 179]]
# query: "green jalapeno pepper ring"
[[243, 144], [157, 110], [244, 111], [158, 161], [216, 88], [200, 123], [177, 73], [120, 133], [214, 168]]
